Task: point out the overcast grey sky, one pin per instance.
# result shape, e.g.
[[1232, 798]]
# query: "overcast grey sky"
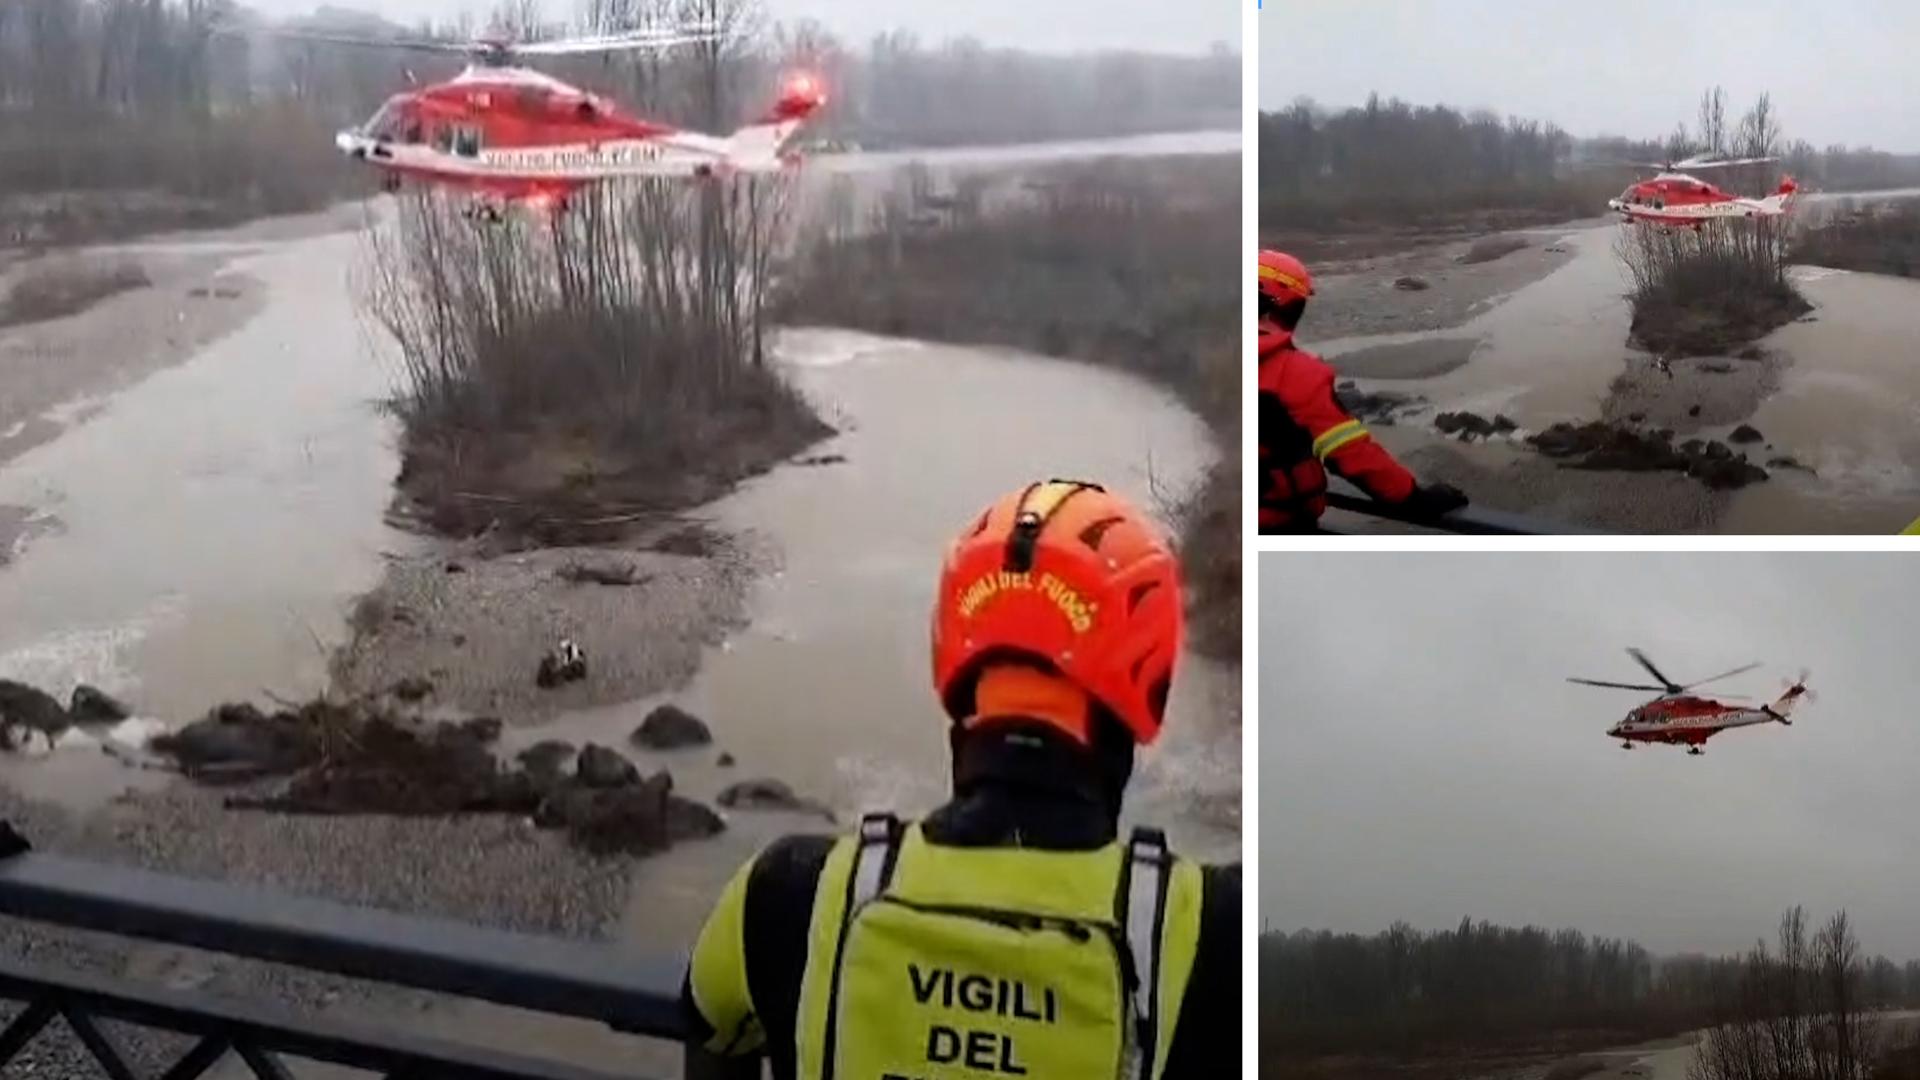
[[1042, 25], [1422, 757], [1840, 71]]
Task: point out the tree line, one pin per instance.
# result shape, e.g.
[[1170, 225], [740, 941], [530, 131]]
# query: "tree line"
[[1404, 989], [1392, 161]]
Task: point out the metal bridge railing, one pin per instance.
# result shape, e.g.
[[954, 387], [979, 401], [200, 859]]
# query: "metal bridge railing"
[[633, 994]]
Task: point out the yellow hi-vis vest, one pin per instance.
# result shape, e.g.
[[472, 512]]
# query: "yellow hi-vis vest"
[[929, 962]]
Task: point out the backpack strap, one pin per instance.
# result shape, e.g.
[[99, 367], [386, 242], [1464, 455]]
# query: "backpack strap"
[[873, 860], [1142, 913], [878, 848]]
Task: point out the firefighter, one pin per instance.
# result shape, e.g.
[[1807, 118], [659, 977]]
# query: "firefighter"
[[1304, 430], [1016, 930]]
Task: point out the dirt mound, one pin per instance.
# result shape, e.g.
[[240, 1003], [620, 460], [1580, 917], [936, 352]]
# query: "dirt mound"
[[360, 758], [1712, 327], [1599, 445]]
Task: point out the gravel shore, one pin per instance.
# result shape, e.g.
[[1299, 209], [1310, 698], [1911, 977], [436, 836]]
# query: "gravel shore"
[[491, 870], [478, 625]]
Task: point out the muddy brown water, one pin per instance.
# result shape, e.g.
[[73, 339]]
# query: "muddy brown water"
[[1846, 403], [203, 533]]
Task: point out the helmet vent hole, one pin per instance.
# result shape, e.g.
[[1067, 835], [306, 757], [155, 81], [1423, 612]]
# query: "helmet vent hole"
[[1139, 593], [1094, 533], [981, 525]]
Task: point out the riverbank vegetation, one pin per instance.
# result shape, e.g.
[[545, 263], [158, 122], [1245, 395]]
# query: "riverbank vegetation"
[[125, 116], [62, 287], [1876, 239], [1389, 174], [1349, 1005], [1132, 265]]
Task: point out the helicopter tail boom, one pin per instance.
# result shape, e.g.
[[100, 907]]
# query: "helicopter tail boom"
[[759, 146], [1782, 706]]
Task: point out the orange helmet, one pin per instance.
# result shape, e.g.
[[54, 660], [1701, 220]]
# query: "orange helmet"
[[1283, 278], [1067, 574]]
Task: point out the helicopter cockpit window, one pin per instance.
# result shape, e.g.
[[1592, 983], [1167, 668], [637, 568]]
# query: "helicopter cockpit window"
[[385, 124], [466, 141]]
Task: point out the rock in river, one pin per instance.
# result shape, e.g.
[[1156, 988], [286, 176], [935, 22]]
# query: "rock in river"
[[770, 795], [24, 706], [91, 705], [670, 727], [599, 767], [633, 819], [543, 758]]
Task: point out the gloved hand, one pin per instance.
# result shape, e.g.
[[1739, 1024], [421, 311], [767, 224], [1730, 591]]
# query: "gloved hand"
[[1430, 501]]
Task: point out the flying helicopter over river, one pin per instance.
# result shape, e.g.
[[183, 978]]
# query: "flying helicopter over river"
[[1674, 198], [510, 134], [1680, 718]]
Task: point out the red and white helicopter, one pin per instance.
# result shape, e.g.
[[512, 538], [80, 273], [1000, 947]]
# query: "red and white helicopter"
[[512, 134], [1682, 719], [1673, 198]]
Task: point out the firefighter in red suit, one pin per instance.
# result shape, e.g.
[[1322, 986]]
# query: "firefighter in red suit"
[[1304, 430]]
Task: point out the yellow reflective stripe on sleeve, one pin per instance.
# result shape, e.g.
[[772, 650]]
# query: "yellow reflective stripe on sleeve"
[[1913, 529], [1268, 273], [717, 973], [1336, 437]]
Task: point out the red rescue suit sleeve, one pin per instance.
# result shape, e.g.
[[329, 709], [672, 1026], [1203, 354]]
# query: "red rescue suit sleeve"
[[1342, 443]]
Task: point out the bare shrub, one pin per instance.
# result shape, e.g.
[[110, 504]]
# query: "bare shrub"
[[1875, 239], [608, 356], [1707, 290], [1797, 1013]]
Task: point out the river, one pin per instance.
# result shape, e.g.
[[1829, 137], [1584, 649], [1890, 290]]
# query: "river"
[[200, 534], [1840, 394]]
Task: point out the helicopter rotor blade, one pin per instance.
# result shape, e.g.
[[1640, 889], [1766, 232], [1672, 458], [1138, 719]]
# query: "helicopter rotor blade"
[[636, 40], [327, 38], [1722, 675], [1665, 683], [1720, 163], [1617, 685]]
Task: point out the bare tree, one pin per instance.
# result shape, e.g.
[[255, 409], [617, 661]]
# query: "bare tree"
[[1713, 122]]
